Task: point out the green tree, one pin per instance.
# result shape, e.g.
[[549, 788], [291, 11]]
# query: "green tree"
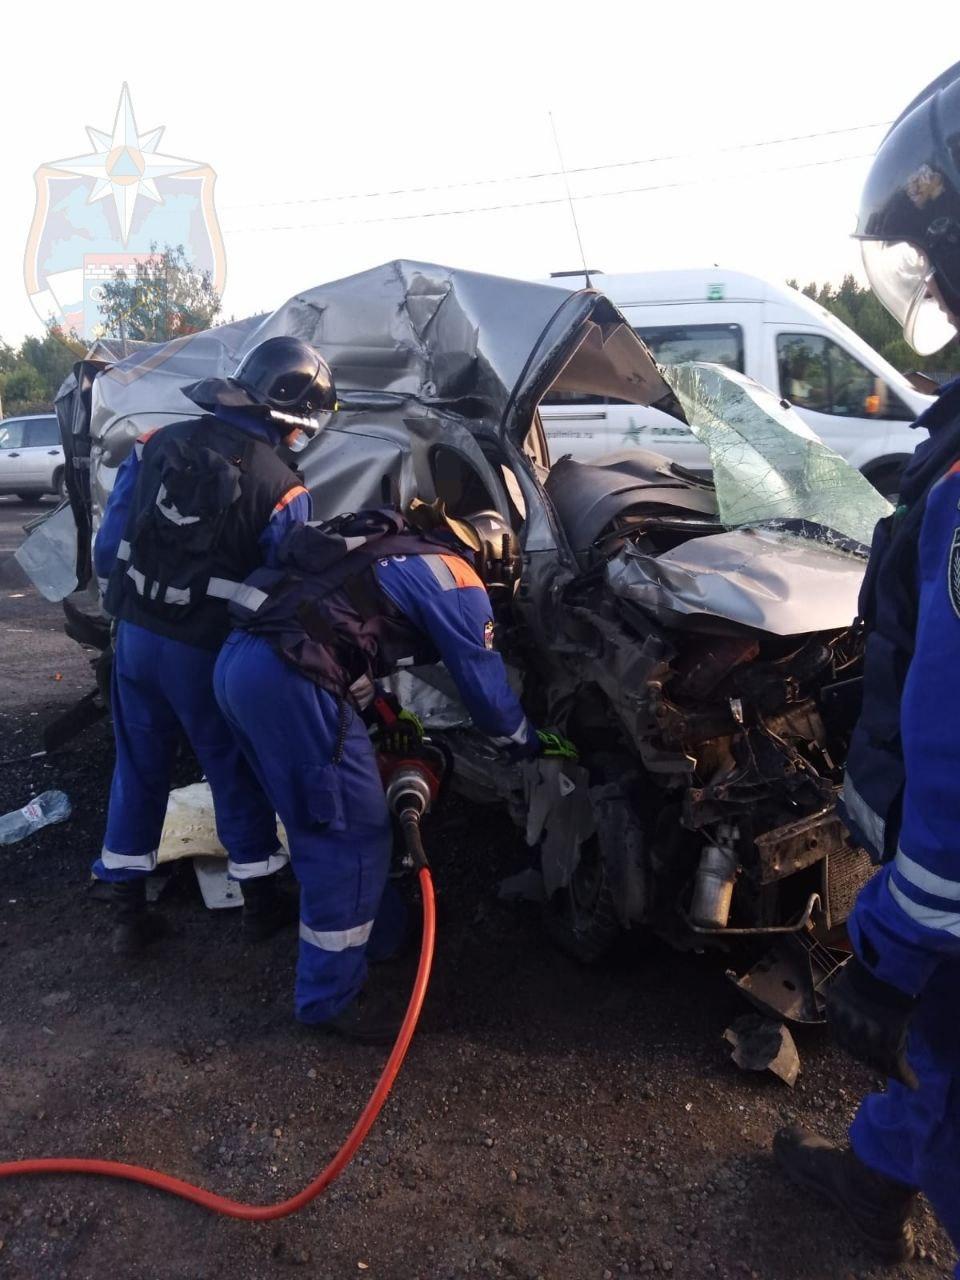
[[8, 357], [53, 356], [22, 390], [862, 311], [165, 297]]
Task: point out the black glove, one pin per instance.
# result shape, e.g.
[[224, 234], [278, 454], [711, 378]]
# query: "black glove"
[[870, 1019]]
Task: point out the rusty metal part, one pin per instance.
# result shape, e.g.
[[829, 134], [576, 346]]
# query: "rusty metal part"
[[797, 845], [788, 981], [763, 930]]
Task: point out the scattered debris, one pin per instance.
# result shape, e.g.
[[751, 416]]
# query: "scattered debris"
[[48, 807], [762, 1045], [217, 888]]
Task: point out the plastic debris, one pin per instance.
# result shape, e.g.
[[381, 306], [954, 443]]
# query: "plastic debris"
[[190, 827], [216, 887], [759, 1044], [50, 806]]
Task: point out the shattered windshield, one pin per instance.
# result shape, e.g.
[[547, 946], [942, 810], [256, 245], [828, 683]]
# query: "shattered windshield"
[[768, 466]]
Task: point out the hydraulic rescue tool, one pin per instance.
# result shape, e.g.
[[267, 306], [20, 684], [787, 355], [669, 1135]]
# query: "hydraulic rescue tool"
[[412, 782]]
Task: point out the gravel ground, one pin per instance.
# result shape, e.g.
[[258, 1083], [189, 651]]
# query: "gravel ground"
[[551, 1121]]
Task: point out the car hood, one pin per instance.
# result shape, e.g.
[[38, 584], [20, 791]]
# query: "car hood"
[[768, 580]]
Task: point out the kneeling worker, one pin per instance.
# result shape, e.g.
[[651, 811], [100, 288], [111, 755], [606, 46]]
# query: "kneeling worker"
[[195, 508], [350, 602]]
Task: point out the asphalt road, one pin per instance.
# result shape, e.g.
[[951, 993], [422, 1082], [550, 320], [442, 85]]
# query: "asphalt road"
[[551, 1121]]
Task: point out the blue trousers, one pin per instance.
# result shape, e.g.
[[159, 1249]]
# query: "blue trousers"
[[160, 689], [335, 814], [914, 1135]]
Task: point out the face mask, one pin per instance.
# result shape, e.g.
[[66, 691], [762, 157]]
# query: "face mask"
[[297, 442]]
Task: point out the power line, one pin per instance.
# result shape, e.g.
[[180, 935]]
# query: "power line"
[[553, 173], [547, 200]]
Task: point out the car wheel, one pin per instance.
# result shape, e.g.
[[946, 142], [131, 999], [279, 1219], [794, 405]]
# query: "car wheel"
[[608, 885], [29, 497], [60, 485], [581, 918]]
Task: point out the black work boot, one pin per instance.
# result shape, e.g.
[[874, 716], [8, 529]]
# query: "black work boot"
[[137, 926], [267, 908], [367, 1019], [876, 1207]]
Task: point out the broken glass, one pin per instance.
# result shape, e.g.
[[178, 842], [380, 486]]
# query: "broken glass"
[[768, 467]]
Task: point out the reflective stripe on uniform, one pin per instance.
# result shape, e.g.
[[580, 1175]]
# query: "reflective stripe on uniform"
[[128, 861], [171, 595], [288, 497], [926, 880], [441, 571], [123, 549], [519, 737], [929, 917], [171, 512], [451, 572], [337, 939], [869, 822], [265, 867], [223, 589]]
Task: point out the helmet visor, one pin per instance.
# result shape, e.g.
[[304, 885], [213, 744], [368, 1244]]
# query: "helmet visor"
[[901, 276]]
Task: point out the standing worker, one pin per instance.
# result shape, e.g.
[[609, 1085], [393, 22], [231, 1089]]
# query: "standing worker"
[[195, 508], [895, 1004], [350, 602]]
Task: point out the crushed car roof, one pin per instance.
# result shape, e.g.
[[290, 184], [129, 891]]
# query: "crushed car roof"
[[459, 341]]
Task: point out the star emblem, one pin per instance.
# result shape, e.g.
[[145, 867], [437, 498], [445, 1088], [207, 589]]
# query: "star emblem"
[[125, 164]]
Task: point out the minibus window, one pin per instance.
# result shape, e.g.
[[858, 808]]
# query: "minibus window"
[[817, 373], [709, 343]]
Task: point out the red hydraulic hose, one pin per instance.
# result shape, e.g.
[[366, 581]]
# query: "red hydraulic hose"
[[267, 1212]]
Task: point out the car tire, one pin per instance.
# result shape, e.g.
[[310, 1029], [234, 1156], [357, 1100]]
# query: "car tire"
[[29, 497], [60, 485], [581, 919], [585, 919]]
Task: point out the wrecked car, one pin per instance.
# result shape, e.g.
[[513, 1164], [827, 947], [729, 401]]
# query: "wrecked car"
[[694, 637]]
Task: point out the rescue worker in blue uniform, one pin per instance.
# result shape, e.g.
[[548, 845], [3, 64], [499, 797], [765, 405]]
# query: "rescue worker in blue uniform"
[[895, 1005], [350, 602], [195, 508]]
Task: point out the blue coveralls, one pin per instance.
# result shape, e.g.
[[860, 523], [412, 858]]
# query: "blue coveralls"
[[335, 815], [906, 922], [162, 687]]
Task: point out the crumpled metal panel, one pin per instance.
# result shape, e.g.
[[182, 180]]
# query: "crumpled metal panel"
[[460, 346], [589, 496], [771, 581], [767, 463]]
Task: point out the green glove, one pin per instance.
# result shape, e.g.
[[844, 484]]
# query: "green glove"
[[403, 735], [554, 746]]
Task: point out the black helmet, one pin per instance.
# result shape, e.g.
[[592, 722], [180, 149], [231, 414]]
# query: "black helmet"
[[287, 375], [909, 220]]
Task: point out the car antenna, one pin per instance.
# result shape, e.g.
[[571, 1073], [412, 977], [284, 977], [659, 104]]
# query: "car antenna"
[[573, 212]]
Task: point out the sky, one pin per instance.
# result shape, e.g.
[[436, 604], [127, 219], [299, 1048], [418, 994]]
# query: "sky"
[[309, 113]]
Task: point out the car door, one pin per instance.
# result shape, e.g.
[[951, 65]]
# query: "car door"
[[43, 450], [13, 463]]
